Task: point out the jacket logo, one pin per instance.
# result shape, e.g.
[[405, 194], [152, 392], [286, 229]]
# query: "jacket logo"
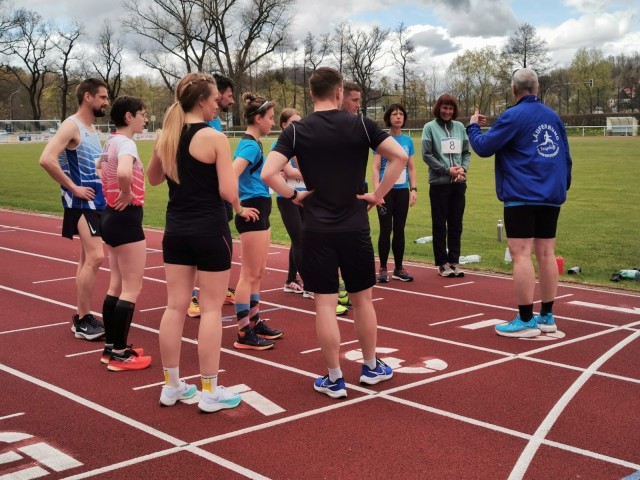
[[548, 141]]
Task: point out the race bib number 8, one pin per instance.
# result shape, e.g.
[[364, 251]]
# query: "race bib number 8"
[[450, 145]]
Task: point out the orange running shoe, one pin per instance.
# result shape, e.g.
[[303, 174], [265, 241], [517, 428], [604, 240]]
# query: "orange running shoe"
[[231, 297], [106, 353], [129, 360]]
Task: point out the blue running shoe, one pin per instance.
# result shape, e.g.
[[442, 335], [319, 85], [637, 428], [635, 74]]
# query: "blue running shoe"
[[381, 373], [546, 323], [335, 389], [518, 329]]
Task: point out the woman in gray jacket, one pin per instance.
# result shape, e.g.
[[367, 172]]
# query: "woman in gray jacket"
[[445, 148]]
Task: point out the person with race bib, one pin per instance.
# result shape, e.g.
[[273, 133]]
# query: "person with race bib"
[[248, 160], [392, 215], [445, 149]]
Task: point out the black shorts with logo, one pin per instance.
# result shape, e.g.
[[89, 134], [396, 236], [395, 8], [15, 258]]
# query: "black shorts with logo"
[[72, 216]]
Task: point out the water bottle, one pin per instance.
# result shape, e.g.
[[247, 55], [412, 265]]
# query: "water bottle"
[[424, 240], [632, 274], [560, 262], [507, 256], [500, 230], [469, 259]]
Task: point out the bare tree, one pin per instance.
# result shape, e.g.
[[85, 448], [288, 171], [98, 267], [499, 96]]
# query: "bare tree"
[[65, 42], [402, 51], [525, 49], [108, 61], [339, 44], [363, 54], [314, 54], [8, 21], [28, 47]]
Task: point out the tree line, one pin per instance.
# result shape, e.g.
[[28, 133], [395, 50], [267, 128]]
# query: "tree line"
[[248, 40]]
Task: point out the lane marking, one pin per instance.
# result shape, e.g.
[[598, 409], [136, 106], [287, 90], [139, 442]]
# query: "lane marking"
[[318, 349], [152, 309], [154, 267], [13, 415], [89, 352], [457, 319], [50, 457], [18, 330], [459, 284], [53, 280], [521, 466], [483, 324], [633, 310], [160, 384]]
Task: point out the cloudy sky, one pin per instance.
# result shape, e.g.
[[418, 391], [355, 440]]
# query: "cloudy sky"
[[441, 29]]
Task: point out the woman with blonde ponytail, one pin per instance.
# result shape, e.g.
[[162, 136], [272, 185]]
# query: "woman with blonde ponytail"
[[195, 160]]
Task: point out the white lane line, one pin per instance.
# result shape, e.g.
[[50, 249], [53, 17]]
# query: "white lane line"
[[34, 328], [634, 310], [483, 324], [13, 415], [54, 280], [456, 319], [521, 466], [50, 457], [318, 349], [159, 384], [89, 352], [152, 309], [154, 267], [458, 284]]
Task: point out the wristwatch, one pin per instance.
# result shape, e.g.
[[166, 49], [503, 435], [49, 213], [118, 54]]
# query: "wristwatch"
[[413, 189], [295, 194]]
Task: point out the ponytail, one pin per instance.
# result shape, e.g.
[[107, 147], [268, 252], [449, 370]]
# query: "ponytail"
[[167, 143]]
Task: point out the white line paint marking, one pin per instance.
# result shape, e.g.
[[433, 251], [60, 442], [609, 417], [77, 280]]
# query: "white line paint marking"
[[50, 457], [458, 284], [634, 310], [530, 450], [456, 319], [153, 309], [154, 267], [13, 415], [12, 437], [259, 402], [89, 352], [33, 328], [318, 349], [483, 324], [26, 474], [54, 280], [9, 457]]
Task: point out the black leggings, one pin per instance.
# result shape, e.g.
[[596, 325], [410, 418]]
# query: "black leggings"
[[292, 219], [393, 218], [447, 209]]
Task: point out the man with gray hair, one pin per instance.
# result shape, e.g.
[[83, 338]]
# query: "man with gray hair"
[[533, 174]]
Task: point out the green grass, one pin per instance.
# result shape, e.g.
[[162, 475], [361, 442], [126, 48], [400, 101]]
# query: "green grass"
[[599, 226]]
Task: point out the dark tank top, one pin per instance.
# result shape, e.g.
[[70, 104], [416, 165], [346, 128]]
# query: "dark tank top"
[[195, 206]]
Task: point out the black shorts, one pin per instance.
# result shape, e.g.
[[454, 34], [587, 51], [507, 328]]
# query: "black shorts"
[[122, 227], [209, 253], [531, 221], [72, 217], [263, 204], [323, 253]]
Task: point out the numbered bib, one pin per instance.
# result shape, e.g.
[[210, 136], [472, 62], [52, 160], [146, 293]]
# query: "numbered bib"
[[450, 145], [297, 184], [402, 179]]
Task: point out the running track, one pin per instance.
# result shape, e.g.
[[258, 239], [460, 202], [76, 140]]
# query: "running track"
[[463, 403]]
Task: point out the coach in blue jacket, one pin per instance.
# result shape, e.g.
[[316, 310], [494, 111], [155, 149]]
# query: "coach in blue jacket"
[[533, 174]]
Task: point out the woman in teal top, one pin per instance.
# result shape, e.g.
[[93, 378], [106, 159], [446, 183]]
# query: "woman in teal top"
[[445, 148], [393, 214]]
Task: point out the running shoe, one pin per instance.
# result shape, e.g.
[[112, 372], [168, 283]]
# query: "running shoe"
[[457, 271], [335, 389], [381, 373], [194, 308], [518, 329], [546, 323], [127, 361], [341, 310], [343, 295], [263, 330], [308, 294], [402, 275], [87, 327], [293, 287], [170, 395], [106, 353], [231, 297], [445, 271], [218, 400], [248, 340], [383, 276]]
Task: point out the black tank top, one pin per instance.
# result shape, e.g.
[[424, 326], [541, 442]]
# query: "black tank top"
[[195, 206]]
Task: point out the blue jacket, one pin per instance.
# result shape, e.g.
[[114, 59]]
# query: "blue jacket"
[[532, 163]]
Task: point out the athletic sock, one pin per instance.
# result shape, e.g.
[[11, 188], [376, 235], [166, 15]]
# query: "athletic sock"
[[209, 383], [172, 377], [122, 316], [335, 374], [108, 306], [545, 308], [371, 363], [526, 312], [242, 316], [194, 293], [254, 307]]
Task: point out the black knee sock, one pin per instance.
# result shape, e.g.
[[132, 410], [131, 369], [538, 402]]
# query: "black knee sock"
[[526, 312], [122, 317], [108, 306], [546, 307]]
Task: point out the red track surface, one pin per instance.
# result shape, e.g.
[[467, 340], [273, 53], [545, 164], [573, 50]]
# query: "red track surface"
[[549, 408]]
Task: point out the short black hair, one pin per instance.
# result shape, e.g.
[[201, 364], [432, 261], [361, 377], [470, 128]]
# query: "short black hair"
[[121, 106], [392, 108], [223, 82]]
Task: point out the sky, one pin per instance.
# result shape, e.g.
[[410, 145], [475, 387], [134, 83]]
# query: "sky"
[[440, 29]]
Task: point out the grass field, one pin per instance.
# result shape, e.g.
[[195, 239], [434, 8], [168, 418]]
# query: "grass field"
[[599, 226]]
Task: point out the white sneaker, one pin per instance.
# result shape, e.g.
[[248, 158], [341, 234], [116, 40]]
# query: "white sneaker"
[[220, 399], [170, 395]]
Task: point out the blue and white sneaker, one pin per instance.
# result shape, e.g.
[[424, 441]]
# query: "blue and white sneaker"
[[381, 373], [546, 323], [335, 389], [171, 395], [218, 400], [518, 329]]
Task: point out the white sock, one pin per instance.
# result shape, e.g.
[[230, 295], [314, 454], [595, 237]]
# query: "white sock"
[[371, 363], [335, 374], [172, 377]]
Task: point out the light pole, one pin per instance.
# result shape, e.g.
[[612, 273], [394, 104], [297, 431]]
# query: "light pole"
[[588, 83], [10, 109]]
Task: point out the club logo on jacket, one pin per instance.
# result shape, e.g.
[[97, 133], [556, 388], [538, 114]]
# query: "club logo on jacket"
[[547, 139]]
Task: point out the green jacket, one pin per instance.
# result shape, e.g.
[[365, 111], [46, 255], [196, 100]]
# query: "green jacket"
[[451, 134]]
